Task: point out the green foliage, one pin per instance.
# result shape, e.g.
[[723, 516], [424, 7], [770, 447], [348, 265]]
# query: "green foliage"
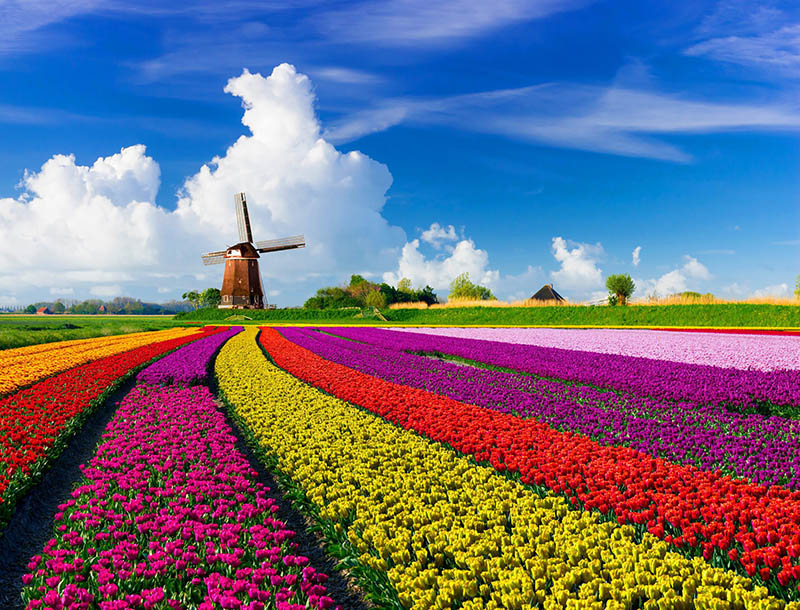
[[461, 288], [361, 292], [404, 285], [30, 309], [797, 287], [59, 307], [193, 297], [621, 286], [375, 298], [210, 297]]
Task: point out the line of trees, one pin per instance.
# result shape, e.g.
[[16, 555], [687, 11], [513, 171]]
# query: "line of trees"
[[118, 305], [360, 292]]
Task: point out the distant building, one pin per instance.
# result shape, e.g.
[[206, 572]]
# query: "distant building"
[[101, 309], [43, 311], [548, 293]]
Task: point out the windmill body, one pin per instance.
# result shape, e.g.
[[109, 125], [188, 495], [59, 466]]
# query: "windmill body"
[[241, 283]]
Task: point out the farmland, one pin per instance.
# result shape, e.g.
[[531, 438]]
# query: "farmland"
[[342, 466]]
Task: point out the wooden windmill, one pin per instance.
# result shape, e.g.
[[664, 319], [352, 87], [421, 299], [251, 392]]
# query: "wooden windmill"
[[241, 284]]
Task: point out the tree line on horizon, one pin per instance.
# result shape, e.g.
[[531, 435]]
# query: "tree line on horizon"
[[118, 305]]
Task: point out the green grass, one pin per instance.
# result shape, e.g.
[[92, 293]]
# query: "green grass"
[[18, 331], [727, 315]]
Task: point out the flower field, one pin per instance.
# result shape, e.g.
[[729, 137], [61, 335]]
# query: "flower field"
[[447, 468]]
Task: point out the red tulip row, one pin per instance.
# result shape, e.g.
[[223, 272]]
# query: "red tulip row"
[[38, 419], [727, 520]]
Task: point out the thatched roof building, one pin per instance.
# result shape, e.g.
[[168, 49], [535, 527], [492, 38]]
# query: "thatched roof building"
[[548, 293]]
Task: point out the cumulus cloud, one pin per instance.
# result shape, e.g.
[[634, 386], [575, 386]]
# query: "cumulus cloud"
[[777, 290], [579, 272], [436, 234], [678, 280], [636, 251], [114, 290], [439, 271], [99, 227]]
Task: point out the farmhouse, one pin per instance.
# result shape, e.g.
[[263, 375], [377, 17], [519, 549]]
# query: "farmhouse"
[[548, 293], [43, 311]]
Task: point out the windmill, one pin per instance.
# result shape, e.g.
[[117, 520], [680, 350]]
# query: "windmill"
[[241, 284]]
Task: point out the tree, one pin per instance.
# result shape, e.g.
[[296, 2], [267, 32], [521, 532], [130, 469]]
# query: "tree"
[[461, 288], [621, 287], [210, 297], [59, 307], [797, 287], [30, 309], [376, 299], [404, 285], [193, 297]]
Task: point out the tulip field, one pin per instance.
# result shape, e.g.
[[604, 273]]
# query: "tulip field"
[[461, 468]]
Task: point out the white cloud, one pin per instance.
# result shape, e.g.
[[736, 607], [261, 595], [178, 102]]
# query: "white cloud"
[[777, 49], [99, 224], [164, 290], [440, 270], [678, 280], [8, 300], [578, 272], [778, 290], [615, 119], [107, 291], [636, 251], [417, 22], [436, 234]]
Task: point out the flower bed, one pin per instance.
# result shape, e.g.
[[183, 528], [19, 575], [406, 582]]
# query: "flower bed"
[[448, 532], [729, 522], [188, 365], [168, 515], [23, 366], [660, 379], [37, 421], [764, 450], [764, 350]]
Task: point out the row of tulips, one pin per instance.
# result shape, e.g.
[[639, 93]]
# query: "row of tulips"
[[188, 365], [764, 450], [661, 379], [728, 521], [168, 515], [35, 422], [730, 350], [447, 532], [24, 366]]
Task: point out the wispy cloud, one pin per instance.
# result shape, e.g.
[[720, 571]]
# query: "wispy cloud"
[[612, 119], [778, 49], [421, 22]]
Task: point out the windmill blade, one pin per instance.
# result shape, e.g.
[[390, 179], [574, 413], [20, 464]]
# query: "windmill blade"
[[214, 258], [242, 218], [284, 243]]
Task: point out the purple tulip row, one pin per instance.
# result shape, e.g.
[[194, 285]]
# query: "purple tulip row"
[[169, 515], [188, 365], [764, 450], [738, 351], [660, 379]]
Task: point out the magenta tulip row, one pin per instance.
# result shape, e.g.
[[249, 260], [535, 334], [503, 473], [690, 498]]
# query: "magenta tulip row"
[[189, 365]]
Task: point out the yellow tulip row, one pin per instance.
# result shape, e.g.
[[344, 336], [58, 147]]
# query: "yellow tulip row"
[[23, 366], [449, 533]]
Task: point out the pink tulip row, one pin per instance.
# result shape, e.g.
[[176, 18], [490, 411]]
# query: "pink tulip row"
[[760, 352], [168, 515]]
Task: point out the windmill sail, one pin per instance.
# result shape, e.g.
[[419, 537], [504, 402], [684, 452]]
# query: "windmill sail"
[[214, 258], [242, 218], [284, 243]]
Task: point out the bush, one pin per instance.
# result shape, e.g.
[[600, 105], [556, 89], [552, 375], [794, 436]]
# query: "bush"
[[620, 286]]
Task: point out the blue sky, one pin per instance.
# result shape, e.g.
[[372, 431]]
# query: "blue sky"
[[555, 137]]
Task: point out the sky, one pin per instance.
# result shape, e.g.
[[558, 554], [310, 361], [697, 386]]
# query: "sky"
[[524, 142]]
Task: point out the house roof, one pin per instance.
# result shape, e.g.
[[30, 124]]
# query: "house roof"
[[43, 310], [547, 293]]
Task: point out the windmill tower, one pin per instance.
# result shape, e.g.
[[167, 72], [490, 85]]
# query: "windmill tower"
[[241, 284]]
